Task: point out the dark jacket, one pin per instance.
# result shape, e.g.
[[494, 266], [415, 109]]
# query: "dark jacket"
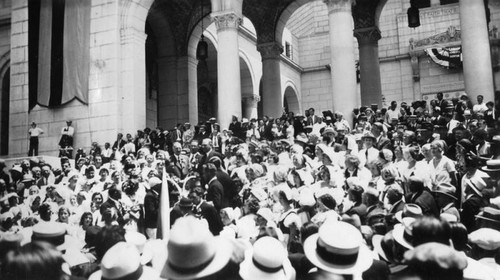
[[426, 201], [230, 191], [215, 193], [151, 207], [209, 213]]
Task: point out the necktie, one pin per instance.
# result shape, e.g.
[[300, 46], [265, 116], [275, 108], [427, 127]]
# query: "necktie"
[[366, 154]]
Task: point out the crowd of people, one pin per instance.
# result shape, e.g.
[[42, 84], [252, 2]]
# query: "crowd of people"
[[411, 191]]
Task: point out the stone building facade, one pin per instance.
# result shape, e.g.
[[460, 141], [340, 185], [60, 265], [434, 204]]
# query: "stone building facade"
[[262, 56]]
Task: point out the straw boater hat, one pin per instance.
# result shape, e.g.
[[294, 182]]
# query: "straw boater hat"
[[338, 248], [123, 261], [477, 184], [268, 260], [403, 233], [446, 189], [492, 166], [490, 217], [193, 252], [486, 238], [329, 129], [410, 210], [368, 134], [55, 234]]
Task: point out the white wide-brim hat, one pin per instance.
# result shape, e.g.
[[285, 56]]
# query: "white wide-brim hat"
[[219, 261], [148, 273], [363, 260], [269, 262]]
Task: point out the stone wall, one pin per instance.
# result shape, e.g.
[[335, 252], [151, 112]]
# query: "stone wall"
[[113, 102], [18, 127]]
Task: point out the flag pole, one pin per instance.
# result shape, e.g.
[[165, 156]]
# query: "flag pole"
[[164, 225]]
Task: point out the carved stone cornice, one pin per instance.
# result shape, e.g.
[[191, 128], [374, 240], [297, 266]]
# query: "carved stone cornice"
[[367, 35], [251, 100], [339, 5], [226, 20], [271, 50]]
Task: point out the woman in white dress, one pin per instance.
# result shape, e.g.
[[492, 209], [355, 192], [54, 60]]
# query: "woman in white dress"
[[441, 166]]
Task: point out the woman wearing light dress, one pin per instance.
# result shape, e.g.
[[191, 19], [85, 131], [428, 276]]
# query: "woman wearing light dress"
[[441, 166]]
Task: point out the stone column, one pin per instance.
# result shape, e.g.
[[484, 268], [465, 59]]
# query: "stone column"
[[371, 88], [193, 90], [478, 74], [133, 86], [271, 79], [343, 68], [228, 67], [250, 106], [167, 92]]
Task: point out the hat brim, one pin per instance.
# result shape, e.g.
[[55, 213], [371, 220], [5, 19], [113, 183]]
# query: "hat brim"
[[249, 271], [445, 193], [486, 169], [148, 273], [398, 234], [363, 262], [377, 240], [399, 216], [222, 256], [373, 138]]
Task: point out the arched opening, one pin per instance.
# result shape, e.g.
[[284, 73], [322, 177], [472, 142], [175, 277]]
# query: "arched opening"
[[4, 114], [207, 83], [206, 104], [290, 101]]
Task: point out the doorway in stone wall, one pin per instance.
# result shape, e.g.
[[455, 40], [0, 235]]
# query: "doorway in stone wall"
[[4, 114], [206, 106], [290, 101]]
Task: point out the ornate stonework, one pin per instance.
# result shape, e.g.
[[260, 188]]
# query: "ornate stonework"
[[367, 35], [450, 36], [252, 100], [270, 50], [335, 6], [226, 20]]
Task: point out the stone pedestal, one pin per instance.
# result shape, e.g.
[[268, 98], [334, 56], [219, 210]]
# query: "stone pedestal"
[[343, 69], [271, 79], [371, 88], [228, 67], [478, 74]]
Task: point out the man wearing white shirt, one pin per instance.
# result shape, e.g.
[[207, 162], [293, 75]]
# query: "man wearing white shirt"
[[480, 107], [369, 153], [316, 128], [253, 131], [34, 132], [392, 112]]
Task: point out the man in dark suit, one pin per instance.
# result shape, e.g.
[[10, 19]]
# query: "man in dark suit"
[[215, 190], [208, 152], [230, 190], [119, 143], [113, 201], [179, 161], [312, 118], [235, 127], [205, 210], [381, 142], [152, 206], [421, 197]]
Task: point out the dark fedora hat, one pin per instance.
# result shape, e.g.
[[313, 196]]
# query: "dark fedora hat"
[[185, 202]]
